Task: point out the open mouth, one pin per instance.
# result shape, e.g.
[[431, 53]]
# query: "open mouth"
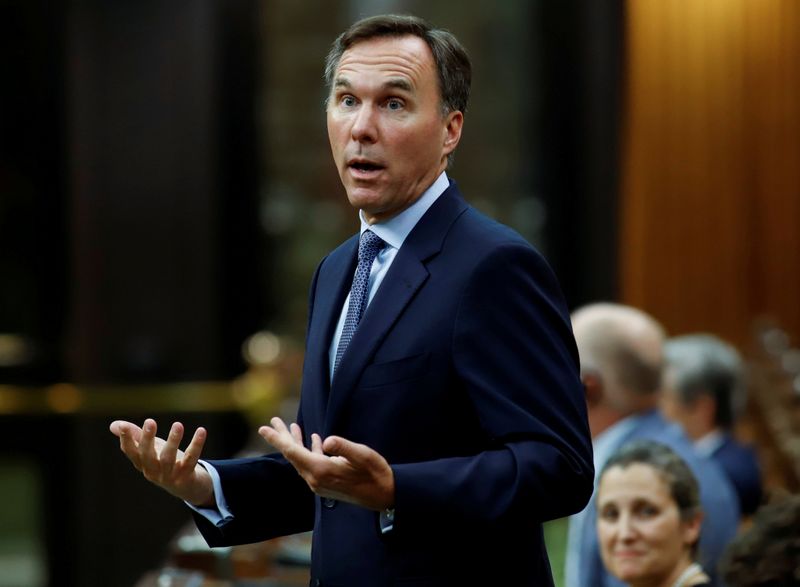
[[365, 166]]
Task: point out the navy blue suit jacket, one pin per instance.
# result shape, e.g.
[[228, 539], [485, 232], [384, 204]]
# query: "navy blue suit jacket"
[[463, 374], [740, 464]]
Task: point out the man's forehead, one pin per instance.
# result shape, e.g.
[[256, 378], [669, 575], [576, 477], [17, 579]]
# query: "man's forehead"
[[395, 56]]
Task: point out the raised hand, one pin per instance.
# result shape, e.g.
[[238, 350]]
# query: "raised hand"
[[162, 463], [336, 468]]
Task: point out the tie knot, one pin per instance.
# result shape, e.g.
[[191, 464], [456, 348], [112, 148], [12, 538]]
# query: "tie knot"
[[369, 246]]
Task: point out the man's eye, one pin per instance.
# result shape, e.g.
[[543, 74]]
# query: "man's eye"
[[394, 104], [348, 101]]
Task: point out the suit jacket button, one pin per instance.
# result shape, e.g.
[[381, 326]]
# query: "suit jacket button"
[[329, 502]]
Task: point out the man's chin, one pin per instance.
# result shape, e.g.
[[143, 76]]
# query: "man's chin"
[[363, 199]]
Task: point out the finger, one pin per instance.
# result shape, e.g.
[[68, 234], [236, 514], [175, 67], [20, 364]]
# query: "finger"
[[278, 435], [130, 447], [116, 427], [120, 427], [297, 433], [297, 454], [316, 444], [281, 440], [195, 448], [269, 434], [169, 451], [352, 451], [147, 451], [278, 424]]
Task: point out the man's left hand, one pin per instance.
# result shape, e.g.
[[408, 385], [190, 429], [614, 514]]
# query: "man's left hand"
[[335, 467]]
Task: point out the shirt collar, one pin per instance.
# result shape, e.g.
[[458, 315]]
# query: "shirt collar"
[[610, 439], [395, 230], [709, 444]]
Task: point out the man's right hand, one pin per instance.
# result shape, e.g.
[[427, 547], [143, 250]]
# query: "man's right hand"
[[162, 463]]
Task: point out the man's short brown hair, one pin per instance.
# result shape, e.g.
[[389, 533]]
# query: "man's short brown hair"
[[451, 59]]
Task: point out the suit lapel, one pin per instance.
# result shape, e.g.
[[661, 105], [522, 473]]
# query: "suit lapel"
[[335, 278], [404, 278]]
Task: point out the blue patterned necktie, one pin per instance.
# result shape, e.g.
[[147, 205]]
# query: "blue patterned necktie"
[[368, 248]]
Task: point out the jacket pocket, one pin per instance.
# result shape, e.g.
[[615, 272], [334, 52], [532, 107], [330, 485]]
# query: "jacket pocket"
[[396, 371]]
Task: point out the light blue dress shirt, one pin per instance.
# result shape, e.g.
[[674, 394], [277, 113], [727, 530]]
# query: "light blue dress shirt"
[[393, 232], [709, 444]]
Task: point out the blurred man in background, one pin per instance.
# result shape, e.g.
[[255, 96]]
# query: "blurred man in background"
[[704, 392]]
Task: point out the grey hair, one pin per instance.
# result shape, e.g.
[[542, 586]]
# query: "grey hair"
[[703, 364]]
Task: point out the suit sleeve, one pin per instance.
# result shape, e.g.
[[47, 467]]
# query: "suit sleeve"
[[515, 356], [266, 497]]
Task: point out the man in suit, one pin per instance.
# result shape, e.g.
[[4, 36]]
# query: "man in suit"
[[441, 417], [705, 394], [621, 352]]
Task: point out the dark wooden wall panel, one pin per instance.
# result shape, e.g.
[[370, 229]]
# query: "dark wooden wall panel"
[[710, 203]]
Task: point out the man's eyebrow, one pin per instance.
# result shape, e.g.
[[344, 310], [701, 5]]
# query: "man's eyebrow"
[[399, 84], [394, 83]]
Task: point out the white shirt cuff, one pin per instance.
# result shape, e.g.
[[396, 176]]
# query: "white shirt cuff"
[[221, 514]]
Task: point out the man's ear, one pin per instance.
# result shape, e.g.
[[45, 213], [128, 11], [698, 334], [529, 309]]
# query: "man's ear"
[[593, 386], [455, 121]]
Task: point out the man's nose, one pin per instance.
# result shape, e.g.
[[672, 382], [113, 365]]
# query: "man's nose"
[[364, 129]]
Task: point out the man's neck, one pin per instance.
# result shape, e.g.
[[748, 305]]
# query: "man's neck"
[[402, 222], [604, 415]]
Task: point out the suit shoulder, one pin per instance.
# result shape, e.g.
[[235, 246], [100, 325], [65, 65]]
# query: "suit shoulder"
[[485, 230], [485, 239], [733, 454]]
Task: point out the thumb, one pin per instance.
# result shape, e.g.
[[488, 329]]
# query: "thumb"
[[341, 447], [121, 428]]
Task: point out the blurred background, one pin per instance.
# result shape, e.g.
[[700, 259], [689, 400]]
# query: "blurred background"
[[166, 190]]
